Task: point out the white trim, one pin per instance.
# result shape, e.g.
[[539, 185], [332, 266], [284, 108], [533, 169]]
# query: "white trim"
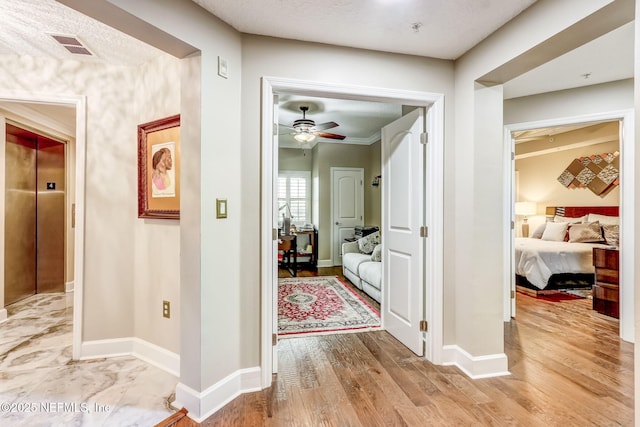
[[68, 287], [3, 315], [627, 189], [80, 103], [133, 346], [492, 365], [325, 263], [435, 168], [202, 405]]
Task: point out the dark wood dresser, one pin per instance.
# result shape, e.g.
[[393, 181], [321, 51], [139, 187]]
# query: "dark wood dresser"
[[606, 291]]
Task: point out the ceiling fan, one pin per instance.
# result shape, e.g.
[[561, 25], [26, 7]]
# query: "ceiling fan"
[[306, 130]]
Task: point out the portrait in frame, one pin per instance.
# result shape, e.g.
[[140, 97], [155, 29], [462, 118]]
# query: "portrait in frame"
[[159, 168]]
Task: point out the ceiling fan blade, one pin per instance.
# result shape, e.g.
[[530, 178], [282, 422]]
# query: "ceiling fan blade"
[[325, 126], [329, 135]]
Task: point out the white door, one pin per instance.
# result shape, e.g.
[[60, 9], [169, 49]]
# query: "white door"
[[347, 196], [274, 243], [403, 215]]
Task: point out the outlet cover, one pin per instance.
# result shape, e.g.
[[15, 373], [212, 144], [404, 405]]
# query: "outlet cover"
[[166, 309]]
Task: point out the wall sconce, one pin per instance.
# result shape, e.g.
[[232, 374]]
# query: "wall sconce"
[[376, 180], [525, 209]]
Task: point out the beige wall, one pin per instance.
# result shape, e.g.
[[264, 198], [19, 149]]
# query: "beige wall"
[[294, 159], [264, 56], [120, 300], [319, 160], [157, 242], [329, 155], [373, 195], [569, 103], [538, 179]]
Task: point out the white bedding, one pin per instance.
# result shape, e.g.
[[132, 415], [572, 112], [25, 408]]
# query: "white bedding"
[[538, 259]]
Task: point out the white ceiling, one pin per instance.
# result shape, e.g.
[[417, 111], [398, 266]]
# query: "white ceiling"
[[25, 26], [448, 29]]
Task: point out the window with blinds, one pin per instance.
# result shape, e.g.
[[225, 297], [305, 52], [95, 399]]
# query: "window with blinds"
[[294, 190]]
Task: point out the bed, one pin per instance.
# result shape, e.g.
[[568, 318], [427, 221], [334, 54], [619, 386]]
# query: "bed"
[[544, 265]]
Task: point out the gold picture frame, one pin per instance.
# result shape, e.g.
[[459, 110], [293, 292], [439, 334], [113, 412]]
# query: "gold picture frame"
[[159, 168]]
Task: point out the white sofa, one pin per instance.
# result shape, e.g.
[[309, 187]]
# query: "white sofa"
[[362, 270]]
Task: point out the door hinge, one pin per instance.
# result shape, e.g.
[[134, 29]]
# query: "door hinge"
[[513, 294], [275, 129], [73, 215], [274, 339], [274, 234], [513, 155], [424, 138], [424, 231], [424, 326], [513, 225]]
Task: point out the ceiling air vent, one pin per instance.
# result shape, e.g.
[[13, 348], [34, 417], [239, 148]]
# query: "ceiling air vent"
[[72, 44]]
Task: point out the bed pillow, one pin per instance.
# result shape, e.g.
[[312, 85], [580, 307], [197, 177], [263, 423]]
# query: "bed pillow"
[[537, 233], [367, 244], [572, 220], [589, 232], [555, 231], [611, 234], [604, 219]]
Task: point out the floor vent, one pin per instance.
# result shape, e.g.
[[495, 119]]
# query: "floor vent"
[[72, 44]]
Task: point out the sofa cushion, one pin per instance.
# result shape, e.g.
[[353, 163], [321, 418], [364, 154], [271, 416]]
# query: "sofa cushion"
[[371, 272], [367, 243], [353, 260], [376, 255]]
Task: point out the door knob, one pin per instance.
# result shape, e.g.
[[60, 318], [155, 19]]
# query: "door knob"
[[337, 223]]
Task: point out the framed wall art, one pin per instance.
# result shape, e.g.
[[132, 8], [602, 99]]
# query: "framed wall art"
[[159, 168]]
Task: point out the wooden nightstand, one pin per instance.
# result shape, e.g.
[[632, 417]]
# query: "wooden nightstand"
[[606, 291]]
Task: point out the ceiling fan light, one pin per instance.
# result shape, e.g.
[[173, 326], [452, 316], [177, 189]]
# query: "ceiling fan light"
[[304, 137]]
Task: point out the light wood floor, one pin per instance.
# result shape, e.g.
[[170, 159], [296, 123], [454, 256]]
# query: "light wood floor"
[[568, 366]]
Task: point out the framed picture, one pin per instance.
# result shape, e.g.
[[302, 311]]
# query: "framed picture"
[[159, 169]]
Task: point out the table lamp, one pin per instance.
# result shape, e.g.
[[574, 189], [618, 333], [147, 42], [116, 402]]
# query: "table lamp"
[[525, 209]]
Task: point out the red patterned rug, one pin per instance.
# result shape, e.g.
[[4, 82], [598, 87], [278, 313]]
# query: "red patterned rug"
[[320, 305]]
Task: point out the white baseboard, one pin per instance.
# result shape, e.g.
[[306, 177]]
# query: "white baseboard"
[[3, 315], [325, 263], [201, 405], [68, 287], [492, 365], [132, 346]]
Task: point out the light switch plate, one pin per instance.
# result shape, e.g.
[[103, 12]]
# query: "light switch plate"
[[223, 67], [221, 208]]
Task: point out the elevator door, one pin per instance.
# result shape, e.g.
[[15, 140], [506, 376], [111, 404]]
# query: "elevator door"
[[34, 215]]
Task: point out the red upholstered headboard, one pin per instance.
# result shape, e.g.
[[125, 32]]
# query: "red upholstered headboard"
[[577, 211]]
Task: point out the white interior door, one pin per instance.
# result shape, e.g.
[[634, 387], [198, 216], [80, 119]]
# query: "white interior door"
[[403, 215], [274, 243], [347, 196]]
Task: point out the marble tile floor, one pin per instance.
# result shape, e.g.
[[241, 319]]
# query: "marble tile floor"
[[40, 384]]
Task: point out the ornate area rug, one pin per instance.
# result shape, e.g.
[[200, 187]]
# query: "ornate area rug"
[[321, 305]]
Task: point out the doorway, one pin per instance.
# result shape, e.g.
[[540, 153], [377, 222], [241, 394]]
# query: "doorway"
[[627, 278], [35, 193], [31, 109], [433, 215]]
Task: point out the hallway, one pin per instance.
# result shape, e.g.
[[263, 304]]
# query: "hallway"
[[42, 386]]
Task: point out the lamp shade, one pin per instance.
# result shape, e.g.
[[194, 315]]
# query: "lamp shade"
[[525, 208], [304, 137]]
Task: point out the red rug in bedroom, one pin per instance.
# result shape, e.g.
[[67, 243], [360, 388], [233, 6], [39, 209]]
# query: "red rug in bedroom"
[[321, 305]]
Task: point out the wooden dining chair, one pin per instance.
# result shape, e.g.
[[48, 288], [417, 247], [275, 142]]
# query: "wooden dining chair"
[[288, 253]]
